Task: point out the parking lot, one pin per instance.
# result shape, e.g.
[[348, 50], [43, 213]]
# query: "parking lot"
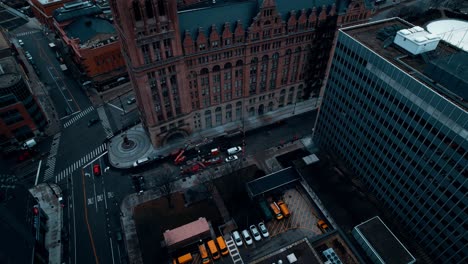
[[303, 214]]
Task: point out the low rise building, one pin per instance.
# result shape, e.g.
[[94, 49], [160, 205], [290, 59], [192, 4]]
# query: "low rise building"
[[23, 224], [21, 116], [92, 42], [44, 9], [380, 244]]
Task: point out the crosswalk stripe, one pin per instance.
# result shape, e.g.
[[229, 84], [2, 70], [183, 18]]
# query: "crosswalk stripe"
[[78, 116], [77, 164]]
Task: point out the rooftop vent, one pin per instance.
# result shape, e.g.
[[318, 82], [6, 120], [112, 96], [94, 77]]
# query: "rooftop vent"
[[416, 40]]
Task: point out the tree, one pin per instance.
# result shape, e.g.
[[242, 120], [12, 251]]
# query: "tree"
[[165, 182]]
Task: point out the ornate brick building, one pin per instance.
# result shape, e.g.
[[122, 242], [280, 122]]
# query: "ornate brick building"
[[44, 9], [92, 42], [215, 63]]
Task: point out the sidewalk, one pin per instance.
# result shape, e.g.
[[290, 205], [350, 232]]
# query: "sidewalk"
[[39, 89], [47, 196], [133, 200], [120, 157]]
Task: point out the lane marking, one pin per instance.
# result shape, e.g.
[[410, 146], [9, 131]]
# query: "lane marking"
[[86, 219], [112, 250], [38, 171]]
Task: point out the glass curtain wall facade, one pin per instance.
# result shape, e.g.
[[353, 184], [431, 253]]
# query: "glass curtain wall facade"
[[406, 142]]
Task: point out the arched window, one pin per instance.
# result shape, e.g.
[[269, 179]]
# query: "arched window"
[[228, 113], [204, 71], [298, 49], [227, 75], [251, 111], [238, 110], [136, 10], [208, 122], [261, 109], [254, 60], [192, 74], [216, 68], [219, 117], [161, 9], [239, 63], [288, 52], [300, 90], [265, 58], [270, 106], [149, 9]]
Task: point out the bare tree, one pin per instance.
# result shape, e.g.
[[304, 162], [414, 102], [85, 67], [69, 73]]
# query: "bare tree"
[[165, 182], [207, 179]]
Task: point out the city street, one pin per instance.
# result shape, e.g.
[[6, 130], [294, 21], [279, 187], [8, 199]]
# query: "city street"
[[94, 214], [92, 203]]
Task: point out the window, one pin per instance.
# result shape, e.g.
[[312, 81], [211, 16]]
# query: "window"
[[149, 9], [208, 123], [218, 115], [136, 10], [168, 48]]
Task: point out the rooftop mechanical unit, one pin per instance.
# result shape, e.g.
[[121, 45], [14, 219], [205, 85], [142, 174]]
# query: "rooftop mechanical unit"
[[416, 40]]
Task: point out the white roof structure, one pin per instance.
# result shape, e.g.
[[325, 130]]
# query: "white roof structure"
[[45, 2], [416, 40], [452, 31]]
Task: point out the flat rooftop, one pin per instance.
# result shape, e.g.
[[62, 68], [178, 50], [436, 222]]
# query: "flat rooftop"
[[384, 242], [272, 181], [430, 68], [302, 250]]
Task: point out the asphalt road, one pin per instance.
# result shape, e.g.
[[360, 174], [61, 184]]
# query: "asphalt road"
[[92, 213]]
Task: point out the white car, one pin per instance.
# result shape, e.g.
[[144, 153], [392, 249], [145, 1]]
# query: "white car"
[[255, 233], [237, 239], [28, 55], [234, 150], [20, 41], [131, 100], [247, 237], [231, 158], [263, 230]]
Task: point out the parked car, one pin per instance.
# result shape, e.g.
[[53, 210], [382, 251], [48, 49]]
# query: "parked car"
[[234, 150], [237, 239], [141, 161], [93, 121], [131, 100], [247, 237], [255, 233], [322, 225], [232, 158], [28, 55], [20, 41], [263, 230], [96, 170]]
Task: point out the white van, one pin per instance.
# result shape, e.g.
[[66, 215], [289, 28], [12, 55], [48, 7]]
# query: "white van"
[[141, 161], [234, 150]]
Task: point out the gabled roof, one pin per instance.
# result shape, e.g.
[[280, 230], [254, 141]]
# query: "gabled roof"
[[206, 14], [217, 14], [86, 28], [284, 7]]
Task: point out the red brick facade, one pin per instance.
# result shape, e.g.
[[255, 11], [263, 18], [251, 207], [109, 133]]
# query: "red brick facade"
[[101, 61], [44, 9], [185, 83]]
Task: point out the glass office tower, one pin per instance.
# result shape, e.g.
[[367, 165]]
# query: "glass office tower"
[[395, 111]]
